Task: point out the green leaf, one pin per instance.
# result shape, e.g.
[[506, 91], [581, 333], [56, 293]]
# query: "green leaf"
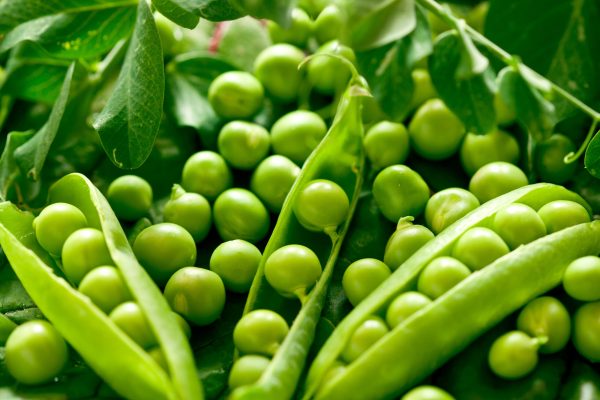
[[472, 62], [374, 24], [15, 12], [558, 39], [536, 113], [129, 122], [31, 155], [592, 156], [75, 35], [213, 10], [277, 10], [9, 170], [177, 11], [242, 41], [472, 98]]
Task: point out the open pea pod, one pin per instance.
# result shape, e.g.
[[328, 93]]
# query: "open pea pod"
[[124, 365], [430, 337], [339, 158]]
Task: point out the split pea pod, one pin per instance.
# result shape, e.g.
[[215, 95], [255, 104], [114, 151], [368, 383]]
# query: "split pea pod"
[[428, 338], [338, 158]]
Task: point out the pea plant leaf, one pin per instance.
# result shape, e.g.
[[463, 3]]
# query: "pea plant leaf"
[[9, 170], [532, 109], [592, 156], [176, 11], [276, 10], [470, 96], [212, 10], [554, 38], [129, 122], [75, 35]]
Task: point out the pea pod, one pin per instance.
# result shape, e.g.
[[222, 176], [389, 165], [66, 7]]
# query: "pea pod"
[[6, 327], [111, 353], [462, 313], [340, 158]]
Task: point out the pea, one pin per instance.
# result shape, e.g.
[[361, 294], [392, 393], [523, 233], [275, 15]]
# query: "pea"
[[365, 336], [435, 132], [298, 32], [547, 319], [328, 75], [504, 114], [206, 173], [55, 224], [157, 355], [163, 249], [582, 279], [479, 150], [441, 275], [84, 250], [260, 332], [423, 88], [586, 331], [243, 144], [448, 206], [130, 197], [513, 355], [427, 392], [518, 224], [336, 369], [276, 67], [273, 179], [479, 247], [292, 269], [130, 319], [198, 294], [321, 206], [328, 24], [400, 192], [247, 370], [296, 134], [362, 277], [105, 287], [236, 94], [549, 159], [404, 242], [561, 214], [239, 214], [236, 262], [386, 143], [190, 211], [405, 305], [495, 179], [35, 352]]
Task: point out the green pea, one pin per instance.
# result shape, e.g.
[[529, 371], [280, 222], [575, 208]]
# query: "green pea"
[[236, 94], [427, 392], [513, 355], [479, 247], [206, 173], [273, 179], [448, 206], [296, 134], [163, 249], [130, 197], [84, 250], [549, 159], [386, 143], [329, 75], [400, 192], [405, 305], [293, 269], [130, 319], [561, 214], [365, 336], [404, 242], [495, 179], [276, 67], [236, 262], [105, 287], [55, 224], [197, 294], [581, 280], [260, 332], [35, 352], [157, 355], [190, 211], [321, 206], [247, 370], [586, 331], [337, 368], [362, 277], [546, 318], [504, 114], [328, 24], [441, 275], [518, 224], [243, 144], [239, 214], [479, 150], [298, 32]]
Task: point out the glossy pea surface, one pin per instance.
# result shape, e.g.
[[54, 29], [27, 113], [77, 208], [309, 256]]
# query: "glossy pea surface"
[[191, 211], [243, 144], [427, 392], [405, 305], [362, 277], [518, 224], [273, 179], [106, 288], [386, 143], [130, 197], [296, 134], [276, 67], [513, 355], [495, 179], [236, 94], [322, 205], [55, 224], [239, 214], [404, 242], [260, 332], [441, 275], [586, 331], [236, 262], [292, 270], [206, 173], [365, 336], [130, 319], [581, 280], [246, 370], [84, 250], [479, 247], [546, 317], [399, 192], [479, 150], [448, 206], [561, 214]]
